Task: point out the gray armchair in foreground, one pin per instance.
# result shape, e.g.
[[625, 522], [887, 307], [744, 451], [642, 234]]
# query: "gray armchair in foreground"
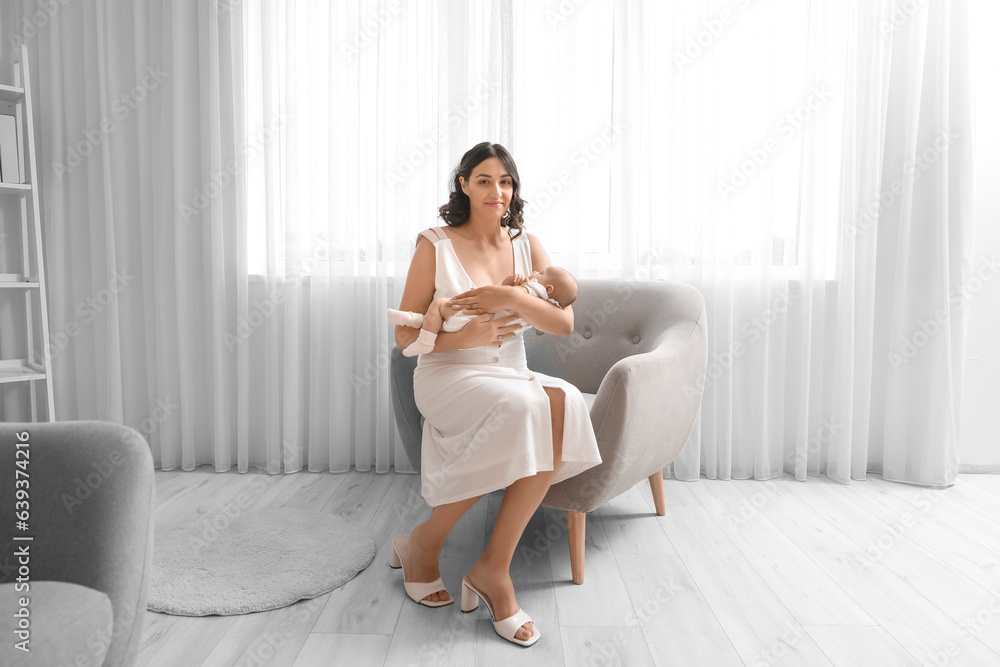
[[90, 503], [639, 355]]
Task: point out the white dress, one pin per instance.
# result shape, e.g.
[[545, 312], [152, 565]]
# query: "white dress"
[[487, 421]]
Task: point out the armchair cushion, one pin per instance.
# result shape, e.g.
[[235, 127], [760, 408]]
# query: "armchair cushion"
[[79, 616]]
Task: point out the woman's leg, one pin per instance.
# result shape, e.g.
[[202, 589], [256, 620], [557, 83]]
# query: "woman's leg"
[[427, 539], [491, 573]]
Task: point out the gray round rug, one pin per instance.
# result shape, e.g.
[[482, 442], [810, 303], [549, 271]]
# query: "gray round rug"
[[254, 561]]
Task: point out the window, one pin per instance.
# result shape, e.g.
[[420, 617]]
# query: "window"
[[647, 134]]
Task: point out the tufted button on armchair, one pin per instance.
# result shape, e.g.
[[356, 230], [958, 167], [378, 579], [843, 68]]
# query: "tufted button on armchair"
[[638, 354]]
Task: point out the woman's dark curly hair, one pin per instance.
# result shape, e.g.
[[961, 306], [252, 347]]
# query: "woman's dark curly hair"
[[456, 211]]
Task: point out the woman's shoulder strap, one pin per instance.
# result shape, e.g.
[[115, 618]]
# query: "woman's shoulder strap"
[[522, 238], [523, 250], [433, 234]]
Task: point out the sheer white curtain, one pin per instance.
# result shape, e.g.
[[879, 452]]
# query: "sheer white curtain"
[[134, 116], [806, 165], [380, 100], [779, 155], [231, 194], [774, 154]]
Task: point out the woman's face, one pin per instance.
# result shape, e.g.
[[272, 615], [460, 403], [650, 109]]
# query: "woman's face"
[[490, 189]]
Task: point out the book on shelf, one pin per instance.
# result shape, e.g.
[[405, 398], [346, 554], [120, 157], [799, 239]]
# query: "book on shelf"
[[10, 164]]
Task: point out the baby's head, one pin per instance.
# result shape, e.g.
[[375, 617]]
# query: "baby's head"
[[559, 283]]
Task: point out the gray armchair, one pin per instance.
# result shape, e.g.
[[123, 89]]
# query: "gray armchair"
[[91, 522], [638, 354]]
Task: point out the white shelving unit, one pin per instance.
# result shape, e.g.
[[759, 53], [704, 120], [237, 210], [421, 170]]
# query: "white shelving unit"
[[31, 284]]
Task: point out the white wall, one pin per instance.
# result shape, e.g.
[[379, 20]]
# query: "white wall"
[[980, 441]]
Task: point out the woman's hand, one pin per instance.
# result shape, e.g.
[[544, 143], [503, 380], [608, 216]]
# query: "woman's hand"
[[484, 330], [487, 299]]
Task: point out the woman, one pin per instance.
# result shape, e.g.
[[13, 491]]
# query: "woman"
[[489, 421]]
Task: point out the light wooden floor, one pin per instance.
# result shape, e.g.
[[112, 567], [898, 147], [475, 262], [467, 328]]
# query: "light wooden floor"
[[737, 573]]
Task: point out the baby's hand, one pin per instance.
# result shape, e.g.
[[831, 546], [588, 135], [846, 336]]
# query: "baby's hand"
[[515, 280]]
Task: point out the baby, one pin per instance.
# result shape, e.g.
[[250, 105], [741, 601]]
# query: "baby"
[[554, 284]]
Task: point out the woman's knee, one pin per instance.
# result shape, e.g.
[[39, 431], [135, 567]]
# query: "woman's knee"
[[518, 402]]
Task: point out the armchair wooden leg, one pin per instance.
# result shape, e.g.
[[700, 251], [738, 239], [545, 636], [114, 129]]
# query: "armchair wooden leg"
[[656, 486], [577, 524]]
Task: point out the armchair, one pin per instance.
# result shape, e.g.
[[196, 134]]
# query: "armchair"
[[91, 522], [638, 354]]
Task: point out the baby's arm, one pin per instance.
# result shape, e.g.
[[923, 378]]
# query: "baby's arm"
[[514, 279]]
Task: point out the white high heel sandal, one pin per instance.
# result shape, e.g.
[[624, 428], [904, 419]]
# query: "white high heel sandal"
[[417, 590], [506, 627]]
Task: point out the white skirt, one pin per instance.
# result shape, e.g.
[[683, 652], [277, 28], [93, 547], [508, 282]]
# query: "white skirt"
[[487, 422]]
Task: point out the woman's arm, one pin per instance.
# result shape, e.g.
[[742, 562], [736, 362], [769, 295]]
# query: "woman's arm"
[[539, 313], [445, 341], [543, 315], [418, 292], [417, 296]]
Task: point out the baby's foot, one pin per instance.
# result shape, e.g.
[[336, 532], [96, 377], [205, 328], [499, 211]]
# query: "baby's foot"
[[405, 318], [422, 345]]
